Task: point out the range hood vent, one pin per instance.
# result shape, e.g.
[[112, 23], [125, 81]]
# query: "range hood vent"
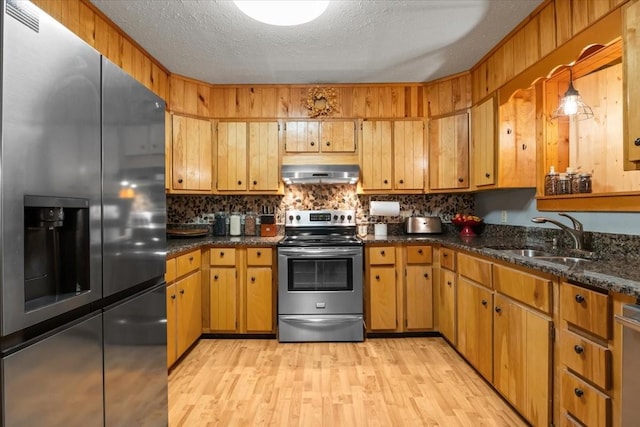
[[320, 174]]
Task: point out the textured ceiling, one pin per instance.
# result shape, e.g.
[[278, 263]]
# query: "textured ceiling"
[[352, 42]]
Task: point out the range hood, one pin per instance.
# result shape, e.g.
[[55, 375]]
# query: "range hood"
[[320, 174]]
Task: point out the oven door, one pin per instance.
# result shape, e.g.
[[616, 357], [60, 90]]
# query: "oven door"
[[320, 280]]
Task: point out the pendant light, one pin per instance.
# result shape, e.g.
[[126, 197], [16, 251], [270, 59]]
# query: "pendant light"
[[282, 12], [572, 105]]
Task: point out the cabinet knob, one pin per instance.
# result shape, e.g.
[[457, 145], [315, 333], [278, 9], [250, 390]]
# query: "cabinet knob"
[[173, 296], [179, 180], [239, 182], [524, 147], [215, 277], [312, 143], [255, 182], [445, 254], [259, 253], [498, 310], [578, 349], [221, 254], [386, 181], [637, 142], [402, 181], [426, 275], [253, 279], [460, 179], [484, 302], [181, 291], [487, 175], [328, 143], [509, 131], [377, 277], [382, 253], [449, 282], [420, 251], [578, 392], [579, 299], [190, 258]]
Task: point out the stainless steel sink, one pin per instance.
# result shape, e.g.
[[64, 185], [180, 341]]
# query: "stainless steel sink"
[[562, 259], [525, 252]]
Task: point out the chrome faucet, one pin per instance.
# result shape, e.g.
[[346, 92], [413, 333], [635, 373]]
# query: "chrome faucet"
[[576, 233]]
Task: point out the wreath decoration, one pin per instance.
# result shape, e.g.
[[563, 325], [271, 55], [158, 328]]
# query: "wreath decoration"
[[321, 101]]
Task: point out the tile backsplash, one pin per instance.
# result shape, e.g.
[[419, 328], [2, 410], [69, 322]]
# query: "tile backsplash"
[[192, 209]]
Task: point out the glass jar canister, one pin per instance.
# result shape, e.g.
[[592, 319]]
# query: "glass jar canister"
[[584, 182], [234, 224], [551, 182], [250, 224], [220, 225], [564, 185]]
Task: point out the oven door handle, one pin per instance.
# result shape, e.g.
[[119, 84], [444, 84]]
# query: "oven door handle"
[[324, 252], [322, 320]]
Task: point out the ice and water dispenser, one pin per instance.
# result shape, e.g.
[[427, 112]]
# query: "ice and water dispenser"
[[56, 249]]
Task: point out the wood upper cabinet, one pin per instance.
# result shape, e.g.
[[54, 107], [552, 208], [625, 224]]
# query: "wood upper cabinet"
[[191, 154], [393, 155], [449, 152], [522, 369], [377, 154], [247, 157], [517, 140], [327, 136], [483, 145], [631, 64], [475, 325], [408, 155]]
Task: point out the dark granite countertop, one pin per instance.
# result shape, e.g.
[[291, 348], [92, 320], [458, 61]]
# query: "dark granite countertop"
[[611, 274], [177, 246], [617, 275]]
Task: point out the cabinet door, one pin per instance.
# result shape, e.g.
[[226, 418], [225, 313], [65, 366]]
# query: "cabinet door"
[[259, 299], [475, 325], [189, 311], [302, 137], [382, 294], [223, 299], [631, 64], [447, 305], [408, 154], [522, 355], [338, 136], [483, 143], [419, 297], [232, 156], [172, 307], [263, 156], [191, 154], [449, 152], [517, 141], [376, 155]]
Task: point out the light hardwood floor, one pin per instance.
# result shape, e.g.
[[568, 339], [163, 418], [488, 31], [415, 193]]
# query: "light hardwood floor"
[[380, 382]]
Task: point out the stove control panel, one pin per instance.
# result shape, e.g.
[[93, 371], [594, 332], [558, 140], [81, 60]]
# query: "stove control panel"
[[320, 218]]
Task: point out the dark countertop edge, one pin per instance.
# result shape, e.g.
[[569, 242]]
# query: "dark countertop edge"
[[598, 273]]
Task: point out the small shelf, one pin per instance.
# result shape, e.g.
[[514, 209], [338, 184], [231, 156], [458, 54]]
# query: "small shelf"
[[593, 202]]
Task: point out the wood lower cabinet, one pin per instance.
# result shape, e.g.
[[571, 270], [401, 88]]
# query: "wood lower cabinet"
[[475, 325], [382, 298], [447, 305], [191, 155], [418, 288], [184, 303], [241, 298]]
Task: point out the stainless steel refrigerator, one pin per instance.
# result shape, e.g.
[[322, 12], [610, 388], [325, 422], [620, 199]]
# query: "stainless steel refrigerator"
[[82, 234]]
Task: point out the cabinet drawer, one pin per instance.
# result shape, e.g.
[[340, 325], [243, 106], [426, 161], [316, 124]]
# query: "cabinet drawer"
[[171, 272], [584, 402], [448, 259], [419, 255], [589, 310], [586, 358], [475, 269], [526, 288], [259, 256], [382, 255], [222, 256], [187, 263]]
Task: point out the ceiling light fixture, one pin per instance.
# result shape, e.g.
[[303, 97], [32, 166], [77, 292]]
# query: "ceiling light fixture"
[[283, 13], [572, 105]]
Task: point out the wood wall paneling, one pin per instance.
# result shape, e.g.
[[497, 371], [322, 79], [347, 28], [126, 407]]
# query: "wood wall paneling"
[[563, 21], [547, 30]]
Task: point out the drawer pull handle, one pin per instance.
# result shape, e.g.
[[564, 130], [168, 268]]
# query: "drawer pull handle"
[[179, 180], [190, 258], [181, 291], [420, 251], [578, 349], [382, 253], [426, 275], [484, 302], [578, 392], [498, 310], [221, 254], [258, 253], [215, 277], [579, 299], [377, 277]]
